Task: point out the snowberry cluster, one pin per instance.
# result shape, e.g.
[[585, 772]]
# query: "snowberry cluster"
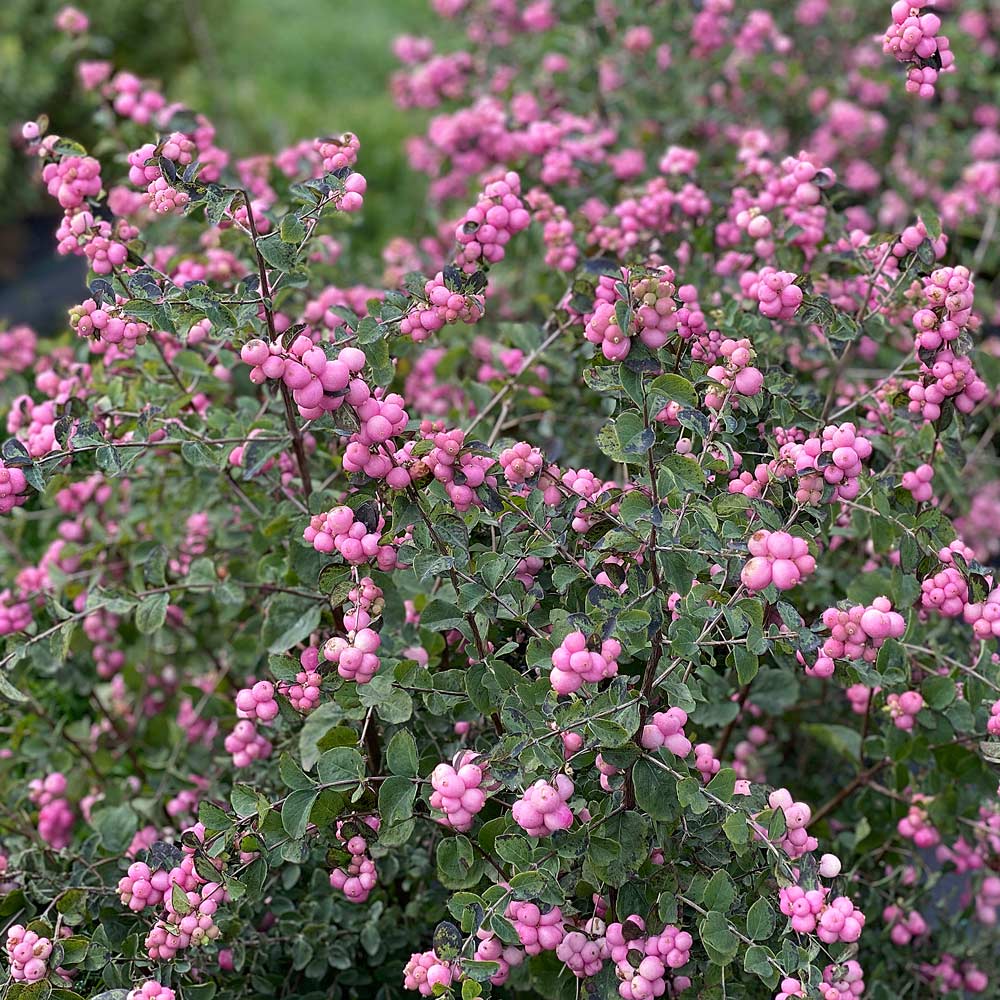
[[151, 990], [257, 702], [538, 930], [858, 633], [319, 384], [777, 295], [487, 227], [653, 311], [339, 531], [918, 482], [948, 294], [13, 488], [55, 815], [993, 723], [107, 325], [835, 459], [492, 949], [735, 371], [705, 761], [458, 793], [666, 729], [843, 981], [425, 971], [903, 709], [839, 920], [358, 879], [947, 377], [72, 179], [355, 657], [247, 745], [582, 955], [984, 616], [27, 952], [449, 297], [916, 824], [574, 665], [461, 471], [542, 809], [796, 840], [903, 926], [778, 558], [951, 976], [17, 349], [80, 233], [141, 886], [520, 462], [913, 38], [642, 959], [304, 692], [145, 171], [380, 418]]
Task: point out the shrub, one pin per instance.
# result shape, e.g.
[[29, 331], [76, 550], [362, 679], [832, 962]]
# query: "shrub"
[[600, 606]]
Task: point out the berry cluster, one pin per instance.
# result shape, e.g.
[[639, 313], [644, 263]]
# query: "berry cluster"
[[107, 325], [458, 793], [778, 558], [13, 488], [858, 633], [903, 926], [358, 879], [838, 920], [913, 38], [796, 840], [338, 530], [948, 377], [449, 297], [141, 886], [487, 227], [574, 665], [28, 953], [303, 693], [736, 372], [835, 459], [319, 384], [425, 971], [984, 616], [918, 482], [666, 729], [257, 702], [55, 815], [542, 809], [777, 295]]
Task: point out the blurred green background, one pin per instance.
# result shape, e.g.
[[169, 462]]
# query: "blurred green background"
[[267, 72]]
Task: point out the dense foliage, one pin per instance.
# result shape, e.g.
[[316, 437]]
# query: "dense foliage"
[[592, 598]]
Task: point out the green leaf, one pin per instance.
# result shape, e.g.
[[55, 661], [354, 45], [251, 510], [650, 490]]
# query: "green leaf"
[[938, 692], [290, 619], [116, 825], [447, 941], [396, 796], [213, 817], [841, 739], [291, 774], [401, 754], [8, 691], [341, 765], [720, 892], [718, 938], [152, 613], [760, 920], [723, 784], [295, 811], [277, 252], [655, 792], [691, 797]]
